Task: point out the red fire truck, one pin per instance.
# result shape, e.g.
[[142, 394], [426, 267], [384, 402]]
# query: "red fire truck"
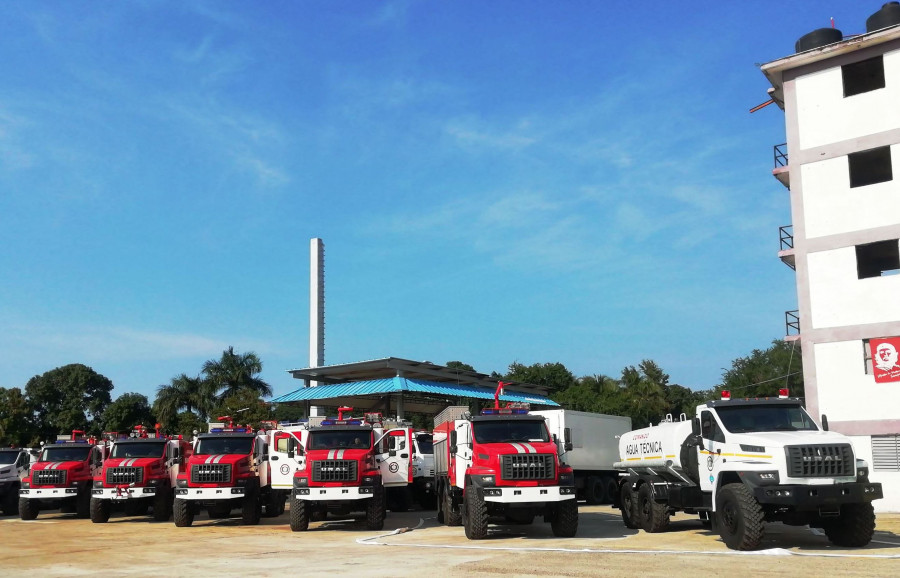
[[501, 466]]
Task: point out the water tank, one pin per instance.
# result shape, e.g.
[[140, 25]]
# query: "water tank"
[[818, 38], [889, 15]]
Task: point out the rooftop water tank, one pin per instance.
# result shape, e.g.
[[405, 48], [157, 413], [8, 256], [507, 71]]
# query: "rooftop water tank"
[[818, 38], [888, 16]]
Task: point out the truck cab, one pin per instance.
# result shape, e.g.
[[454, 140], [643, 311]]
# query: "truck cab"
[[62, 476], [14, 465]]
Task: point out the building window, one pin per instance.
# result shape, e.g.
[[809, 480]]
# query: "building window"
[[867, 357], [886, 453], [863, 76], [870, 167], [878, 259]]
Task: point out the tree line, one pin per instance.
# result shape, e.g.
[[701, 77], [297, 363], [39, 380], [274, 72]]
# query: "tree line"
[[75, 397]]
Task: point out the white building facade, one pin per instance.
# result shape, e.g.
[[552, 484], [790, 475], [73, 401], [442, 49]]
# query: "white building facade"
[[841, 164]]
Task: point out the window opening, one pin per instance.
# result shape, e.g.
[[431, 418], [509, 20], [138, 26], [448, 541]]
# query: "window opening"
[[878, 259], [863, 76], [870, 167]]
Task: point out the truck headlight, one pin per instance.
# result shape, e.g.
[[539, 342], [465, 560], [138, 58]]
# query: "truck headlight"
[[98, 483], [567, 479], [182, 483], [301, 482], [488, 480]]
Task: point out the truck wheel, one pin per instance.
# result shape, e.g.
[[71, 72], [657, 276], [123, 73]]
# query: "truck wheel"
[[274, 503], [612, 489], [99, 511], [83, 504], [375, 509], [565, 521], [28, 509], [653, 516], [451, 518], [162, 505], [11, 502], [475, 519], [854, 528], [628, 505], [183, 513], [594, 490], [299, 515], [251, 507], [739, 517]]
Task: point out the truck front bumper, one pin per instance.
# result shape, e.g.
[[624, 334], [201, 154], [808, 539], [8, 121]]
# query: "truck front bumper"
[[124, 494], [510, 495], [323, 494], [209, 493], [812, 496], [48, 493]]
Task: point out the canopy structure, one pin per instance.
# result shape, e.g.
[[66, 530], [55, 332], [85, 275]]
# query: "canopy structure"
[[394, 385]]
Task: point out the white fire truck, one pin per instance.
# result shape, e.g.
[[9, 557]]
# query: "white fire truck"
[[741, 463], [349, 462]]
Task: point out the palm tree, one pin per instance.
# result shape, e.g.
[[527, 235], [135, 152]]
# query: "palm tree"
[[184, 393], [234, 372]]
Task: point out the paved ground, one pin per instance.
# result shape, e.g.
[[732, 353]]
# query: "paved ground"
[[413, 544]]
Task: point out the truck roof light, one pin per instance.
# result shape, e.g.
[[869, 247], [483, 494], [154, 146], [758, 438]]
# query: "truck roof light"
[[341, 422], [228, 429], [504, 411], [783, 393], [726, 395]]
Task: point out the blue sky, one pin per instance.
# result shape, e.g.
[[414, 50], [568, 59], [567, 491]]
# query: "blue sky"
[[575, 182]]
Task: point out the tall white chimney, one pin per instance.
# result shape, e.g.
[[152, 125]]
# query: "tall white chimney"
[[316, 309]]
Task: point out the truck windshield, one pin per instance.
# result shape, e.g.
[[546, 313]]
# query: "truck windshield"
[[332, 440], [426, 446], [762, 418], [138, 450], [65, 453], [491, 432], [7, 458], [223, 445]]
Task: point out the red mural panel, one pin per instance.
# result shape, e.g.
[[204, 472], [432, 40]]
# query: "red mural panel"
[[884, 359]]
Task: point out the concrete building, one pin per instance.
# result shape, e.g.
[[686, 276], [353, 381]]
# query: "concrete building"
[[841, 164]]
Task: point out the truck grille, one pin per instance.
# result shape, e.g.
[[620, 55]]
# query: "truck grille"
[[816, 461], [49, 477], [211, 474], [334, 471], [125, 475], [527, 467]]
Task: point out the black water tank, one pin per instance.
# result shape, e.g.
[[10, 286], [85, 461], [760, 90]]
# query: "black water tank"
[[888, 16], [818, 38]]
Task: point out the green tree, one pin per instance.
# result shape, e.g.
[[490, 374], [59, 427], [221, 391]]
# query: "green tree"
[[127, 411], [645, 393], [185, 424], [681, 400], [552, 376], [16, 426], [187, 393], [244, 407], [764, 372], [593, 393], [68, 397], [459, 365], [234, 372]]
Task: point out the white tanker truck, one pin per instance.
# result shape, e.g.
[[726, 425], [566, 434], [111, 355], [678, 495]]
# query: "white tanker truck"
[[741, 463]]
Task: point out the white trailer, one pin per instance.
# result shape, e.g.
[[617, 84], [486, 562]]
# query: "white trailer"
[[595, 449]]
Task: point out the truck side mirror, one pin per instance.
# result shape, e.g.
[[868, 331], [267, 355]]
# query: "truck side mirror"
[[695, 426], [824, 422], [291, 447], [453, 442], [567, 439]]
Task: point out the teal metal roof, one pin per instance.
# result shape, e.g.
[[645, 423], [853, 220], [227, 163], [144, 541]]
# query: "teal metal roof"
[[401, 385]]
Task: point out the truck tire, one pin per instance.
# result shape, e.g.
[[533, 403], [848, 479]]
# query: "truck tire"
[[475, 519], [273, 505], [612, 489], [183, 513], [299, 515], [739, 517], [451, 518], [594, 490], [100, 511], [653, 516], [251, 507], [28, 509], [628, 505], [375, 509], [565, 521], [11, 502], [162, 505], [83, 504], [854, 528]]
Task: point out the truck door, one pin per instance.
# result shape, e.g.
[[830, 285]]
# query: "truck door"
[[395, 462], [710, 456], [281, 466]]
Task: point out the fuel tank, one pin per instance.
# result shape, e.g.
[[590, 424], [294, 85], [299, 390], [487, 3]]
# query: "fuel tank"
[[658, 445]]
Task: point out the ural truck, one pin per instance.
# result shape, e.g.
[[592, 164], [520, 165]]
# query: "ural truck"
[[138, 474], [14, 465], [62, 476], [595, 450], [349, 464], [228, 469], [502, 466], [741, 463]]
